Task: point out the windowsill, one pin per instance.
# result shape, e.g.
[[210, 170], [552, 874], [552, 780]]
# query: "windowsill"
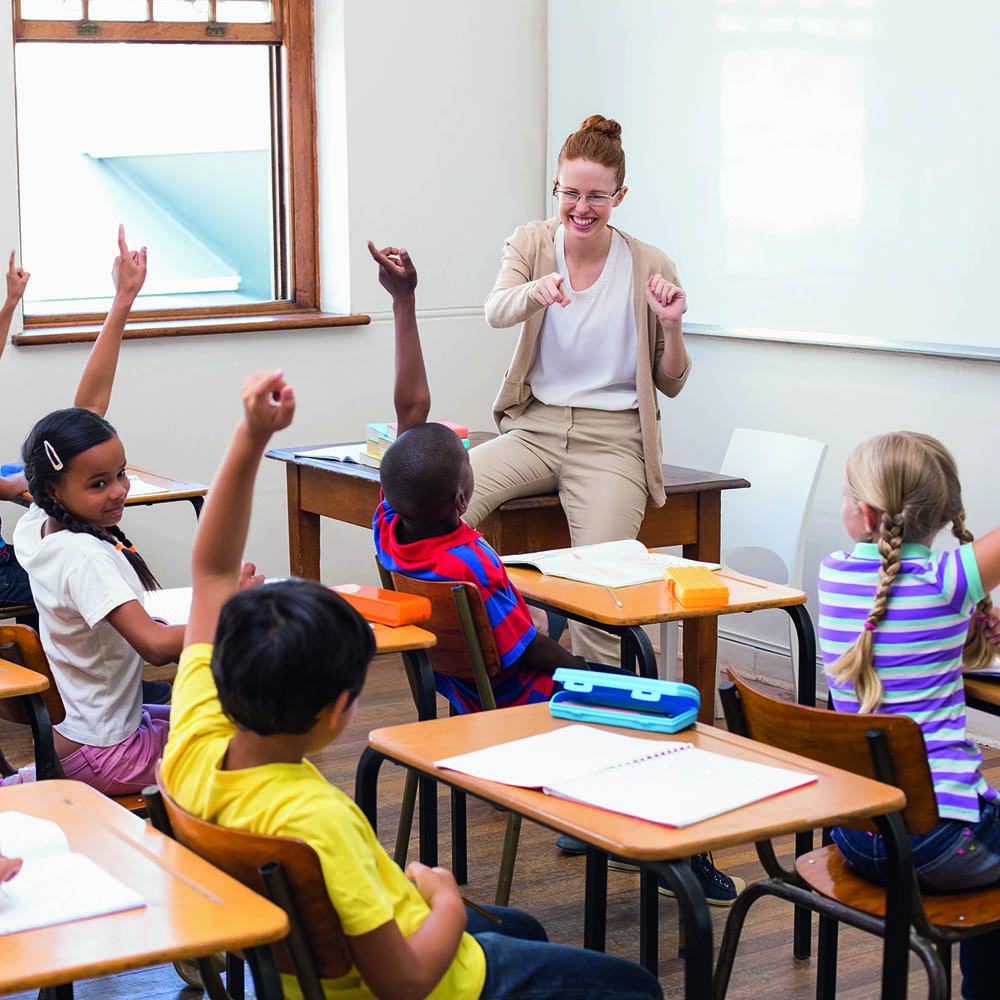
[[143, 330]]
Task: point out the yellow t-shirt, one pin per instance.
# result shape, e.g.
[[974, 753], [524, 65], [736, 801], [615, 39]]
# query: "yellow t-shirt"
[[367, 888]]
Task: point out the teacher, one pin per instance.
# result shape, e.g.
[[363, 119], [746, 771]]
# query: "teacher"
[[600, 317]]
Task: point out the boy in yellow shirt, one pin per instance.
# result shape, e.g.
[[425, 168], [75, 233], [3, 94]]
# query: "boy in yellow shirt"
[[271, 674]]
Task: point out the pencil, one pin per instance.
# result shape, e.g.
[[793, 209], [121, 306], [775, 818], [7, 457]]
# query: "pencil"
[[480, 910], [613, 598]]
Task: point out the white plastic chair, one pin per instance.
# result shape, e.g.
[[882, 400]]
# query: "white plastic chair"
[[783, 471]]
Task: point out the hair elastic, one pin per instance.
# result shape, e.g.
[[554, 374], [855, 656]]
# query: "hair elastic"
[[870, 626], [981, 618], [124, 548], [53, 458]]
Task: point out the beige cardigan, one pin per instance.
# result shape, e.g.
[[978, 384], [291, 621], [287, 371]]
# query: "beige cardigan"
[[529, 254]]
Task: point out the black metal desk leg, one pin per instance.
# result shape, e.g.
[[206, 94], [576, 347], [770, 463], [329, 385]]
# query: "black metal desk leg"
[[639, 643], [697, 927], [595, 900], [197, 503], [46, 763], [649, 921], [366, 785]]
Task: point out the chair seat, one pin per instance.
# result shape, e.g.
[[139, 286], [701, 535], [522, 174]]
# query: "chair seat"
[[829, 874]]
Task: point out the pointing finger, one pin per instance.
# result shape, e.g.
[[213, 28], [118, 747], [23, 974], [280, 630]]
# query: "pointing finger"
[[11, 268], [122, 246]]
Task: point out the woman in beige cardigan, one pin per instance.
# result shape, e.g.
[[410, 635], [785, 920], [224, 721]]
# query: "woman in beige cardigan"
[[600, 317]]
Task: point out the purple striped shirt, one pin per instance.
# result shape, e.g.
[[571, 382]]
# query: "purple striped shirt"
[[917, 652]]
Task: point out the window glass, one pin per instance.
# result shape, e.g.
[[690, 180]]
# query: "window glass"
[[118, 10], [172, 140], [243, 11], [180, 10], [52, 10]]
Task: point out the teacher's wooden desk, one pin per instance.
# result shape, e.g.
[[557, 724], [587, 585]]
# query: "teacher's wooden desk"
[[835, 797], [192, 909]]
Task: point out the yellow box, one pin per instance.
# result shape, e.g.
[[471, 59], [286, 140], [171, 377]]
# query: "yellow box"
[[696, 587]]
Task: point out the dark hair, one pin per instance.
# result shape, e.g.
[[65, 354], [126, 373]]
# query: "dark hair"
[[285, 650], [69, 433], [422, 471], [598, 139]]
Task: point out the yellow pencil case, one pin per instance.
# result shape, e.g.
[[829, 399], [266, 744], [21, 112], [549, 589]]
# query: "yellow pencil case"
[[696, 586]]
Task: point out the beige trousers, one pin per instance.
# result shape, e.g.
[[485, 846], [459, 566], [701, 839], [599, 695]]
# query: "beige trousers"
[[593, 458]]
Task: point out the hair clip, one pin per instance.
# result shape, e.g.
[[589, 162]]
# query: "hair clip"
[[870, 626], [53, 458]]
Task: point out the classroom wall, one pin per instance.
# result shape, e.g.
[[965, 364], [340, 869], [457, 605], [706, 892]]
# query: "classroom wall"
[[410, 121]]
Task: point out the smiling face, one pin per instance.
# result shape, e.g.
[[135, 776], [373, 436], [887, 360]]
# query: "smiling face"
[[584, 221], [94, 485]]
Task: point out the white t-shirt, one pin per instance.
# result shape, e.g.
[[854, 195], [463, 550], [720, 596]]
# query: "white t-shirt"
[[586, 353], [77, 580]]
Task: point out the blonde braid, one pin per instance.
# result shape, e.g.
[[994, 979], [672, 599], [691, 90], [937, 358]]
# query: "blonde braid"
[[979, 651]]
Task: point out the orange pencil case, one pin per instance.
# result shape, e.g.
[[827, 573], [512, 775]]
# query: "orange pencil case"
[[695, 586], [387, 607]]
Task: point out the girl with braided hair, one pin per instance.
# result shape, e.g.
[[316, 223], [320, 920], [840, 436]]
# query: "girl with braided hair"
[[898, 622], [86, 577]]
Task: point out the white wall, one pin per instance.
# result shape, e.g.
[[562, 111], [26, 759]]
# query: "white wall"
[[428, 93]]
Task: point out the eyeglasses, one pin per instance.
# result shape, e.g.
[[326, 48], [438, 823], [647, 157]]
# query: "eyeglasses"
[[595, 199]]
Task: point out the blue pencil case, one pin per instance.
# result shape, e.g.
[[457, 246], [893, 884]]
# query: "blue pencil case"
[[618, 700], [11, 468]]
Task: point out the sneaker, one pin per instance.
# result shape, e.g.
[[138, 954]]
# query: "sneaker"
[[720, 889], [572, 845], [156, 692], [187, 969]]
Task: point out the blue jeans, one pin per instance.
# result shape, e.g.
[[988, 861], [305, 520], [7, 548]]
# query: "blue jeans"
[[14, 586], [521, 964], [955, 856]]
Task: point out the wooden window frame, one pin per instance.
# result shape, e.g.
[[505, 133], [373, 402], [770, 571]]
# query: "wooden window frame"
[[294, 170]]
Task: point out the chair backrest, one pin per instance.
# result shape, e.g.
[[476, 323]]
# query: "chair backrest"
[[451, 655], [783, 471], [241, 854], [840, 740], [32, 656]]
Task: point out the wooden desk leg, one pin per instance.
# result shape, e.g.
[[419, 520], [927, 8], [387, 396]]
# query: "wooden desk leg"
[[701, 635], [595, 900], [697, 926], [303, 532]]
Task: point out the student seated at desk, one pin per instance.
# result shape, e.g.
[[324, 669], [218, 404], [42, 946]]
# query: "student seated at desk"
[[427, 483], [280, 682]]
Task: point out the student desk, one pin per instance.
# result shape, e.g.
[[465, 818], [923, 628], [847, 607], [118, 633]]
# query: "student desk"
[[173, 489], [651, 603], [983, 693], [834, 798], [191, 910]]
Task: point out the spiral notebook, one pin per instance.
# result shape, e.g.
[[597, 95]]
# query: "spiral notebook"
[[675, 784]]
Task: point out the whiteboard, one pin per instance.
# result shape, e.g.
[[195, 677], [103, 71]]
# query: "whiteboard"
[[823, 171]]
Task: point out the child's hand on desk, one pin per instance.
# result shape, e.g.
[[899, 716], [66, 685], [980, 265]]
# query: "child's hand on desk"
[[436, 885], [17, 281], [268, 403], [249, 577], [666, 299], [129, 269], [9, 867], [396, 273]]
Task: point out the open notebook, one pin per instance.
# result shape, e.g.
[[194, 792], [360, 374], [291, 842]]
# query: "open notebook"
[[675, 784], [55, 885]]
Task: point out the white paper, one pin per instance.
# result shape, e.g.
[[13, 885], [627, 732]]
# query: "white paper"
[[335, 453], [24, 836], [140, 488], [171, 606]]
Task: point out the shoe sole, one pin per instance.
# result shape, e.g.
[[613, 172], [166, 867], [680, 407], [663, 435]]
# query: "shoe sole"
[[739, 883]]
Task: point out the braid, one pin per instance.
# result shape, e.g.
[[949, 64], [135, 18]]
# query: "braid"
[[112, 536], [979, 651], [855, 665]]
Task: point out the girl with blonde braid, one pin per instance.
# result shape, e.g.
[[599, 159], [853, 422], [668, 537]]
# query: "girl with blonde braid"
[[897, 624]]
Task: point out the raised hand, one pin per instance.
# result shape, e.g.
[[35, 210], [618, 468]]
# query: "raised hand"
[[129, 269], [17, 280], [548, 290], [666, 299], [268, 402], [396, 273], [249, 577]]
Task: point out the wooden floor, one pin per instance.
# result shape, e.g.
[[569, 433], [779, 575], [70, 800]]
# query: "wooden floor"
[[550, 885]]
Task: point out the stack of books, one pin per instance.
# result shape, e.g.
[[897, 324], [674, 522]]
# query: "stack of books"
[[378, 437]]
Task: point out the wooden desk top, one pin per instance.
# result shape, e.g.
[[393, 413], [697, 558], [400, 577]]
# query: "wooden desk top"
[[16, 680], [402, 639], [648, 603], [192, 909], [676, 478], [835, 797], [983, 693]]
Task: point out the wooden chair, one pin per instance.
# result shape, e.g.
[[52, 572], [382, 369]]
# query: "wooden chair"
[[891, 749], [465, 648], [27, 648], [286, 870]]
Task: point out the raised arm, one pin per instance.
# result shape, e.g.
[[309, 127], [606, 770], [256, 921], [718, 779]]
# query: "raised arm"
[[268, 406], [17, 280], [98, 378], [411, 394]]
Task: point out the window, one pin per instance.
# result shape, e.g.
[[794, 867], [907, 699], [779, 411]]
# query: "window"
[[192, 121]]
